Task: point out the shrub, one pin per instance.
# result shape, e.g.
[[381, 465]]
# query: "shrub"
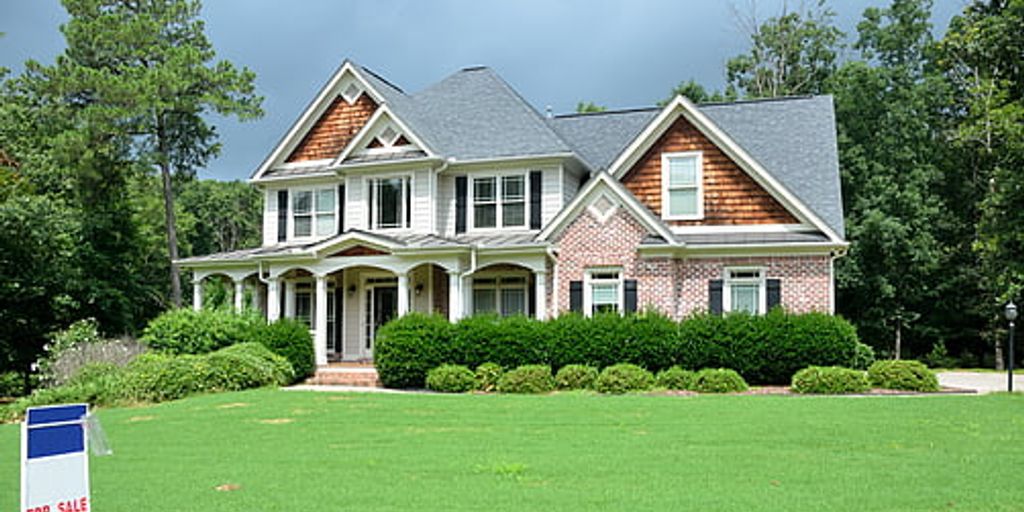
[[939, 357], [576, 376], [675, 378], [244, 366], [290, 339], [720, 380], [509, 342], [531, 378], [623, 378], [12, 384], [831, 380], [451, 378], [487, 377], [408, 347], [905, 375], [157, 377], [863, 356], [184, 331], [80, 345]]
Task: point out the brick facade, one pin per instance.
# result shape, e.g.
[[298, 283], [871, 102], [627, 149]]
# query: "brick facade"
[[730, 195], [677, 287], [335, 128]]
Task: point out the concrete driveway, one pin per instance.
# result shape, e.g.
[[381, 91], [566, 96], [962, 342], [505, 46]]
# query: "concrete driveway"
[[981, 382]]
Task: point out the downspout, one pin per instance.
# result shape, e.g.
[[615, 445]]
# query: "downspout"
[[553, 307]]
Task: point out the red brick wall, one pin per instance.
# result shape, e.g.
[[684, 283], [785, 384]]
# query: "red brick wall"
[[335, 128], [676, 287], [730, 195]]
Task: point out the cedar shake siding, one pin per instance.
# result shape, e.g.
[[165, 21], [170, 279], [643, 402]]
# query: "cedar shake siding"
[[335, 128], [730, 195]]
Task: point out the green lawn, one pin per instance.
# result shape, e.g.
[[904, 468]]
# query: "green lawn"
[[295, 451]]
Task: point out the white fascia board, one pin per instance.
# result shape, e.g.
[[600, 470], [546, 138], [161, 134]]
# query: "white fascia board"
[[360, 238], [745, 228], [364, 133], [387, 165], [455, 164], [317, 105], [305, 179], [744, 250], [578, 203], [683, 106]]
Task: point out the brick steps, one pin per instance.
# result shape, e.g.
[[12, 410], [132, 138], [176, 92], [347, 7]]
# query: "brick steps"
[[359, 377]]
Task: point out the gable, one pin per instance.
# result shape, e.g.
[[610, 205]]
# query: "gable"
[[358, 250], [383, 138], [731, 196], [335, 128]]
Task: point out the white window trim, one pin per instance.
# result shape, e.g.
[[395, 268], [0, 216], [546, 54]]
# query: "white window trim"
[[665, 157], [761, 281], [498, 287], [407, 199], [498, 225], [588, 292], [292, 193]]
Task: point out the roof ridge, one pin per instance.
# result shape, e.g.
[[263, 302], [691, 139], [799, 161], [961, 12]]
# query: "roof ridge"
[[762, 100], [381, 78], [606, 112]]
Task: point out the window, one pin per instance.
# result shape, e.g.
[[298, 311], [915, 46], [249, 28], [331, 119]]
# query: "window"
[[313, 207], [682, 191], [390, 201], [503, 295], [604, 292], [744, 291], [304, 303], [499, 202]]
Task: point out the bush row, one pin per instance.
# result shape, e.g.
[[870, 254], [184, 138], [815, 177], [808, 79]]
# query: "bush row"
[[899, 375], [184, 331], [762, 349], [157, 377], [615, 379]]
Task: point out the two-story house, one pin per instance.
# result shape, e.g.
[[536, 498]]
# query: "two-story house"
[[463, 199]]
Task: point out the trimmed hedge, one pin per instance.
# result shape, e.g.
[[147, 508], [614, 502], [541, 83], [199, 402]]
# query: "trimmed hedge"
[[184, 331], [624, 378], [830, 380], [451, 378], [530, 378], [576, 376], [907, 375], [487, 377], [718, 380], [766, 349], [289, 338], [675, 378]]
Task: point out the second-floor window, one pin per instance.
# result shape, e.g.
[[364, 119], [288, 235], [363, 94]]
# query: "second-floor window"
[[390, 203], [682, 190], [499, 201], [313, 210]]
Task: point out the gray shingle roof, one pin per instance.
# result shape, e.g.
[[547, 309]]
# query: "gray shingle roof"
[[794, 139], [699, 239], [599, 138]]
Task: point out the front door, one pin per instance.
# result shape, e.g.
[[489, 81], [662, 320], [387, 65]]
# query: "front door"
[[382, 305]]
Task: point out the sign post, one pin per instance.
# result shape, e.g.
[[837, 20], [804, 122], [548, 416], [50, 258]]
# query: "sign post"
[[54, 464]]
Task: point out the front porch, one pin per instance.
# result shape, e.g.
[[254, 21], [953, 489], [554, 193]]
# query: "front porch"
[[347, 295]]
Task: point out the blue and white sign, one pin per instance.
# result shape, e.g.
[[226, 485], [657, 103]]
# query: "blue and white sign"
[[54, 463]]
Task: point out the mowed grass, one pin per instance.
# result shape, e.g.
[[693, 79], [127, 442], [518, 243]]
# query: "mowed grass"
[[272, 450]]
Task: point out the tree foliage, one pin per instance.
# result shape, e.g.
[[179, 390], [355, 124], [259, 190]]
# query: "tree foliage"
[[589, 107]]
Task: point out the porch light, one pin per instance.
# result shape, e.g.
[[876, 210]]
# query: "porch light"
[[419, 288], [351, 290], [1011, 316]]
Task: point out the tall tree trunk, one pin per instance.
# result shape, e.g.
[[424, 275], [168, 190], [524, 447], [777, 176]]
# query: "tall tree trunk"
[[172, 233], [1000, 365], [899, 339]]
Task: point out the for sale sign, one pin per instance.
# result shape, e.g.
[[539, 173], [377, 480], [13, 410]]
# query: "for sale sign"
[[54, 465]]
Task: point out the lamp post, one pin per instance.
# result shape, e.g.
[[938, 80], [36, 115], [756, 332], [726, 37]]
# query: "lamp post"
[[1011, 315]]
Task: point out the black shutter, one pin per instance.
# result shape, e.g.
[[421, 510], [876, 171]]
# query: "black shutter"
[[460, 204], [576, 296], [535, 186], [715, 296], [531, 306], [629, 286], [371, 208], [407, 187], [774, 292], [282, 215], [341, 209]]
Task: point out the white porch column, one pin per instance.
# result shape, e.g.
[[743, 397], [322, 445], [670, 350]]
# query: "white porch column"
[[289, 299], [273, 300], [540, 279], [197, 295], [320, 332], [257, 297], [403, 293], [239, 295], [454, 296]]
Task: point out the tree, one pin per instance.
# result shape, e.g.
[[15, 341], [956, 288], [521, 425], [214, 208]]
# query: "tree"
[[790, 54], [147, 67], [589, 107], [220, 216], [888, 107], [695, 92], [981, 57]]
